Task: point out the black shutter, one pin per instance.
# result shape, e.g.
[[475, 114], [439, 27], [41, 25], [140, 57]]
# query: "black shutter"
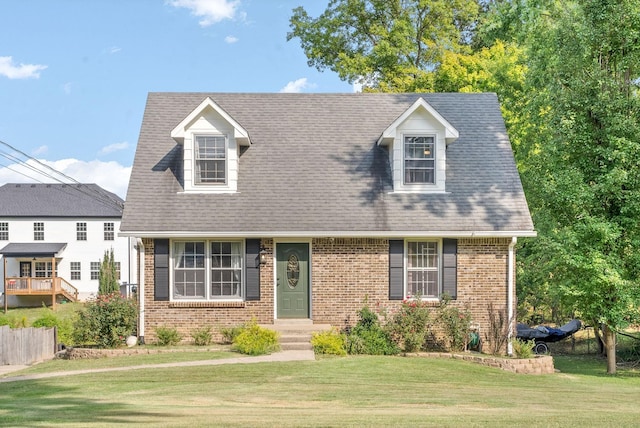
[[161, 269], [396, 269], [252, 272], [450, 267]]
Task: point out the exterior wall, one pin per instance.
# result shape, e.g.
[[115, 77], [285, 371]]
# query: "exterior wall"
[[188, 316], [345, 272], [92, 250]]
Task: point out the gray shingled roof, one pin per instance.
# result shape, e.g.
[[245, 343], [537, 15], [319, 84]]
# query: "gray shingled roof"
[[58, 200], [32, 249], [314, 168]]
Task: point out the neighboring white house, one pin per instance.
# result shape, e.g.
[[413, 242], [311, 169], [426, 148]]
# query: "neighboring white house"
[[66, 225]]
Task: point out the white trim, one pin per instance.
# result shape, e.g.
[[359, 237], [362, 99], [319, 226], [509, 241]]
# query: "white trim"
[[389, 133], [141, 287], [510, 291], [336, 234], [405, 261]]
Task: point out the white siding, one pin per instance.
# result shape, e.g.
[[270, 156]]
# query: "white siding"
[[85, 252], [420, 122]]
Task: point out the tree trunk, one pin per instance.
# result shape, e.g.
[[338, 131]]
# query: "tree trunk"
[[599, 340], [610, 344]]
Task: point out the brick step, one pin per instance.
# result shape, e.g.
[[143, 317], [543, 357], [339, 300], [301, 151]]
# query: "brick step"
[[295, 334]]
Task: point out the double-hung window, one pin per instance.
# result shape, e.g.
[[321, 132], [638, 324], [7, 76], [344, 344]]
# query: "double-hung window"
[[4, 231], [109, 232], [95, 270], [76, 269], [81, 231], [207, 270], [211, 159], [38, 231], [43, 269], [423, 275], [419, 160]]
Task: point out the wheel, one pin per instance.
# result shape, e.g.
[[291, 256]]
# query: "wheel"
[[541, 348]]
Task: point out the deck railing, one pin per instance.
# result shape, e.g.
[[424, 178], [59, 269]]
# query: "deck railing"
[[39, 286]]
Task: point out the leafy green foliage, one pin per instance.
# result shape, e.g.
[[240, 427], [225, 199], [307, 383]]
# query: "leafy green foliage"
[[392, 46], [106, 321], [409, 327], [455, 323], [13, 321], [230, 333], [369, 337], [168, 336], [202, 336], [523, 348], [256, 340], [64, 326], [108, 275], [330, 342]]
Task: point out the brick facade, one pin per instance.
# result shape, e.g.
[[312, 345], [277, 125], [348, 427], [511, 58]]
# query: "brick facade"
[[344, 272]]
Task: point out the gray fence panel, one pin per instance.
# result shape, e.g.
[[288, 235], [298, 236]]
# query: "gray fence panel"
[[23, 346]]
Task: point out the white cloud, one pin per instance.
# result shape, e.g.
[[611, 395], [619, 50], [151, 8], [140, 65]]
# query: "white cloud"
[[67, 87], [211, 11], [110, 175], [113, 148], [231, 39], [22, 71], [296, 86], [114, 49], [40, 150]]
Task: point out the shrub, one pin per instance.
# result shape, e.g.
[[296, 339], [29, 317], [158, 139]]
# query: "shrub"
[[409, 326], [456, 325], [106, 321], [368, 336], [13, 321], [256, 340], [230, 333], [168, 336], [330, 342], [202, 336], [64, 327], [523, 348]]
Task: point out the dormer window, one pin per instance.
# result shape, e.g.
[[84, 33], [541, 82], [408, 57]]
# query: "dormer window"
[[419, 160], [212, 142], [417, 141], [211, 159]]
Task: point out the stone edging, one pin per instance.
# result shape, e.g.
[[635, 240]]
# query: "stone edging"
[[540, 364], [94, 353]]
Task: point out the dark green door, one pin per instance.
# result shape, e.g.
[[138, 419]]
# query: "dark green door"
[[292, 280]]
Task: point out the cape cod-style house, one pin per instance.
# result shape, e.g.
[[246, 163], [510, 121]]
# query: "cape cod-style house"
[[53, 238], [303, 206]]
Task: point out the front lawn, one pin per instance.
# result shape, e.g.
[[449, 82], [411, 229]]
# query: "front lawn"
[[350, 391]]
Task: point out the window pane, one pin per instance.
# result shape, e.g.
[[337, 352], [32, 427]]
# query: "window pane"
[[226, 269], [211, 159], [419, 160], [423, 269], [188, 273]]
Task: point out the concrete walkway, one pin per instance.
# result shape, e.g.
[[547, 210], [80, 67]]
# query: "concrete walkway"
[[303, 355]]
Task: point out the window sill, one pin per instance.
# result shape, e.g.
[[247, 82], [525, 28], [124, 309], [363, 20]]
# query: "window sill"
[[209, 304]]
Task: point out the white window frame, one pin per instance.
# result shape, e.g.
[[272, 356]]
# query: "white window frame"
[[95, 271], [42, 269], [208, 268], [75, 269], [434, 159], [109, 231], [81, 231], [4, 231], [38, 231], [407, 269], [196, 176]]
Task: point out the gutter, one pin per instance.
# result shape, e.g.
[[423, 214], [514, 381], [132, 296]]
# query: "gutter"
[[510, 292], [141, 287]]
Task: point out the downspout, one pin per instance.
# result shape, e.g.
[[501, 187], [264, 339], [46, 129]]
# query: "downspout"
[[510, 292], [141, 285]]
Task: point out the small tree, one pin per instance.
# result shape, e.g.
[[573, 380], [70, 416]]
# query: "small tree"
[[108, 276]]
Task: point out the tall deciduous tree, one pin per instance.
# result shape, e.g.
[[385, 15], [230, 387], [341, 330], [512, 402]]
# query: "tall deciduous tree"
[[582, 170], [389, 45], [108, 275]]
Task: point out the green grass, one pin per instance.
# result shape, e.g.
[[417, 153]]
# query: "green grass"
[[29, 315], [350, 391]]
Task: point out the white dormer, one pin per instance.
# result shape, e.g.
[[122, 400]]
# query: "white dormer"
[[417, 142], [211, 140]]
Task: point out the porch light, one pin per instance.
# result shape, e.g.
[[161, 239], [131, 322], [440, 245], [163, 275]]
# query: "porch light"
[[263, 256]]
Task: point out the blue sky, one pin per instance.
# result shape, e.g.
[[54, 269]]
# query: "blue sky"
[[74, 74]]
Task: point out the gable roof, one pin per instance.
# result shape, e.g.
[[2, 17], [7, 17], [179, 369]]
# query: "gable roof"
[[314, 168], [58, 200]]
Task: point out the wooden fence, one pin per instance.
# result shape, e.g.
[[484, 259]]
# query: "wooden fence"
[[23, 346]]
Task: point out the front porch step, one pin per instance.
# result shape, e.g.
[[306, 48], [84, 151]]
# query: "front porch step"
[[295, 335]]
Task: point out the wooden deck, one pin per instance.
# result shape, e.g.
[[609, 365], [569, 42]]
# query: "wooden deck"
[[54, 287]]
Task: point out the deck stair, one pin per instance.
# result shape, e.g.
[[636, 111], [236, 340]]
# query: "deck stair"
[[295, 334]]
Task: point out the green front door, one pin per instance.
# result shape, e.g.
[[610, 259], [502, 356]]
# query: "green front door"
[[292, 280]]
